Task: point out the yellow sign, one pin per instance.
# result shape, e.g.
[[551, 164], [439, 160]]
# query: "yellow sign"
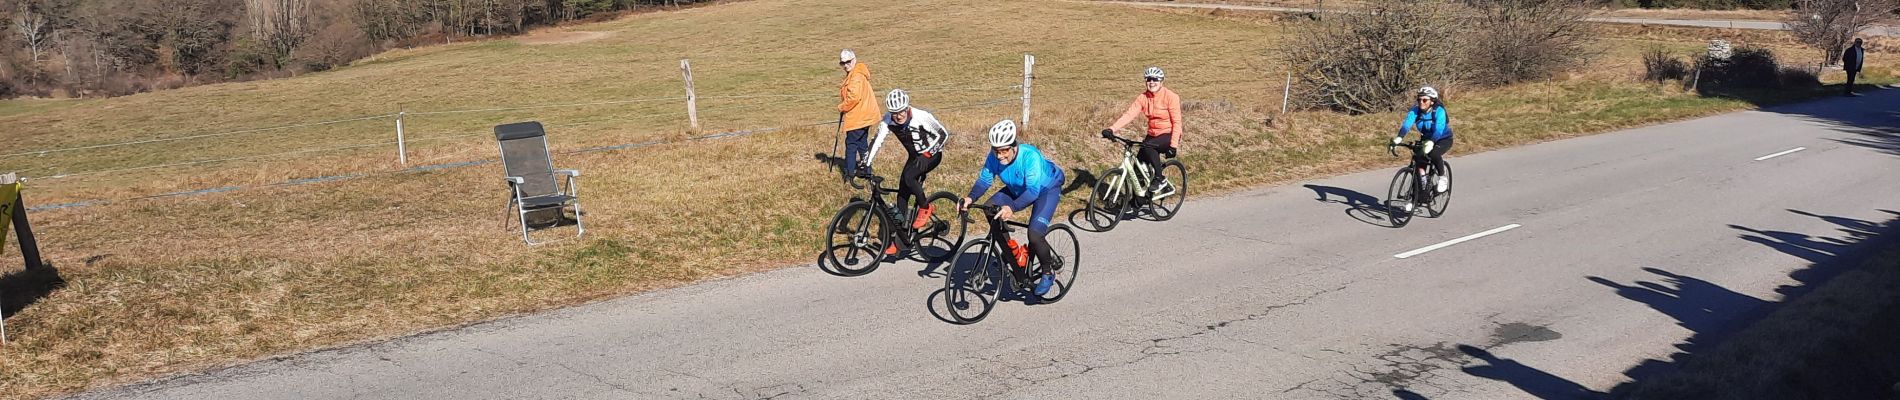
[[9, 194]]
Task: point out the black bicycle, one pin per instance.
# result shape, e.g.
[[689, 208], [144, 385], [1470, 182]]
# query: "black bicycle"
[[1117, 189], [866, 231], [984, 272], [1411, 189]]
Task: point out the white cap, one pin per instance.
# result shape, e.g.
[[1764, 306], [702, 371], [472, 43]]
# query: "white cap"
[[847, 56]]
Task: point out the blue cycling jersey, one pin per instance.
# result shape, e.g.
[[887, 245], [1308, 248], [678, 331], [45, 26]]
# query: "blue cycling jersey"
[[1432, 125], [1024, 180]]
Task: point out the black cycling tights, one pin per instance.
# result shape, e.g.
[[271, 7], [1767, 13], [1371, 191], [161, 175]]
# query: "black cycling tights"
[[1149, 155], [1437, 155], [910, 189]]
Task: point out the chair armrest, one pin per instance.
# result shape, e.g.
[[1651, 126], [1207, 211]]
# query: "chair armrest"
[[568, 172], [514, 180]]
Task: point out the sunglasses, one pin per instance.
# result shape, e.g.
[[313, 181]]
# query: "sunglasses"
[[1154, 79], [1004, 148]]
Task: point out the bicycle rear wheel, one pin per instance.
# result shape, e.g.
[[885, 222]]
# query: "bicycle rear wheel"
[[854, 243], [1108, 201], [969, 292], [1068, 251], [939, 239], [1167, 202], [1442, 200], [1400, 196]]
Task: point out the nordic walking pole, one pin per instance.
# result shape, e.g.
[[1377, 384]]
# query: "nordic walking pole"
[[834, 142]]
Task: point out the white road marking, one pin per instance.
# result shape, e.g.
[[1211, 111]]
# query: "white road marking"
[[1447, 243], [1781, 153]]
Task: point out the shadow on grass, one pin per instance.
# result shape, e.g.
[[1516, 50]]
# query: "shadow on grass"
[[1741, 347], [23, 288]]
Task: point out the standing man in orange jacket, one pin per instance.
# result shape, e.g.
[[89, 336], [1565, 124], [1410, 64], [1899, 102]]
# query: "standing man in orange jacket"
[[857, 112]]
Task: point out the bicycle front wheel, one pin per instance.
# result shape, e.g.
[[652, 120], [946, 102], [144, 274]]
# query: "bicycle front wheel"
[[1399, 197], [969, 293], [1108, 200], [854, 243], [1442, 200], [1068, 251], [1174, 185]]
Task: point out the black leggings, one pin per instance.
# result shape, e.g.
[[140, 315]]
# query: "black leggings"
[[1437, 156], [910, 189], [1149, 155]]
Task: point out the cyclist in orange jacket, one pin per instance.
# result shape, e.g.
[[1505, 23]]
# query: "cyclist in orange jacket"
[[1163, 109]]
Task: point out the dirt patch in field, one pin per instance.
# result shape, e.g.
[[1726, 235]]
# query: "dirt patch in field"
[[561, 37]]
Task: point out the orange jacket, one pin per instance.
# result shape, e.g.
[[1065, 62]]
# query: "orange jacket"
[[1163, 109], [860, 103]]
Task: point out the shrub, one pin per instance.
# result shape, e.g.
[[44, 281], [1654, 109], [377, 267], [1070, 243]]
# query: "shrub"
[[1660, 66], [1370, 61], [1522, 40]]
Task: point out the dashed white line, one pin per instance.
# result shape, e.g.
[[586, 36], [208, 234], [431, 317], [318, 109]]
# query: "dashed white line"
[[1422, 250], [1781, 153]]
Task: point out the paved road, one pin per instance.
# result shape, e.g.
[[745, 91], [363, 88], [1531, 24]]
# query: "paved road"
[[1628, 244], [1880, 30]]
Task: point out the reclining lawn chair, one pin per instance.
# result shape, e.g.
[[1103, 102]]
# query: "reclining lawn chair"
[[524, 153]]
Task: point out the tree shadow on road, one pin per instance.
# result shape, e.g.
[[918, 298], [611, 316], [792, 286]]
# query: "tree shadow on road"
[[1725, 323]]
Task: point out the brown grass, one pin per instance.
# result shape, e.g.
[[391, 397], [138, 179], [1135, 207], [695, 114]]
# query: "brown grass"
[[167, 285]]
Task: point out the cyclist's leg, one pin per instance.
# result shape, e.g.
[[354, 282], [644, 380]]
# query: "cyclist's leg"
[[1152, 157], [1437, 155], [1044, 212], [911, 188]]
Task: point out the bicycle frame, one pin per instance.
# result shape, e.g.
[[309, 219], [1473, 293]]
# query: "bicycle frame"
[[1136, 169]]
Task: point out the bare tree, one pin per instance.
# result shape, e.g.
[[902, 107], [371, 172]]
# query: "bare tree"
[[1368, 61], [1830, 25], [34, 29], [1521, 40]]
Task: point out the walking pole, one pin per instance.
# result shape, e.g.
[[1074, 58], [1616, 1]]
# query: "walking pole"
[[834, 143]]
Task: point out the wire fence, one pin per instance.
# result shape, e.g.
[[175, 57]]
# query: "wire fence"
[[739, 104]]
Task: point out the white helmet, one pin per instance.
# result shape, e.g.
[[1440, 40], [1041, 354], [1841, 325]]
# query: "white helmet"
[[1153, 73], [846, 56], [1428, 91], [1003, 133], [896, 101]]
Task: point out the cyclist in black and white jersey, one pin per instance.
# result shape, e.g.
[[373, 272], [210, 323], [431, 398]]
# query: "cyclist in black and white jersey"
[[922, 138]]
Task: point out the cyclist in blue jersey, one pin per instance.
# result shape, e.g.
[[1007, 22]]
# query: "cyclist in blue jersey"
[[1428, 117], [1029, 181]]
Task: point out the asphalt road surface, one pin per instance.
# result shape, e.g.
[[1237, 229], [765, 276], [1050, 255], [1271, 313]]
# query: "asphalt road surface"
[[1625, 245]]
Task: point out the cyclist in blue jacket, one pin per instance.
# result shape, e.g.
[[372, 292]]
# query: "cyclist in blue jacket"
[[1029, 181], [1432, 124]]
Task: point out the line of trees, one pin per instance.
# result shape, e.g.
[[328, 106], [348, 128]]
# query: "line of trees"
[[117, 47]]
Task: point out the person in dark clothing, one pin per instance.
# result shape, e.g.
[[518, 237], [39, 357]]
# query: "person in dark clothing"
[[1851, 60]]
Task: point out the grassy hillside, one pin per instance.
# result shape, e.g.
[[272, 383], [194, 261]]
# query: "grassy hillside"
[[173, 284]]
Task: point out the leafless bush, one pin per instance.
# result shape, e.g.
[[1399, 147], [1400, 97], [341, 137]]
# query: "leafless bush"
[[1366, 62], [1521, 40], [1660, 66], [1830, 25]]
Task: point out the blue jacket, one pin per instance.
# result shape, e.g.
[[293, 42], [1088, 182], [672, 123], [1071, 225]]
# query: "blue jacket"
[[1432, 125], [1023, 180]]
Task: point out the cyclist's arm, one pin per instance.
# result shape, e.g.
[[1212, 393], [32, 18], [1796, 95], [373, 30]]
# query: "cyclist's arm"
[[1174, 120], [943, 134], [1134, 110], [882, 131], [983, 180], [1407, 124], [1035, 178]]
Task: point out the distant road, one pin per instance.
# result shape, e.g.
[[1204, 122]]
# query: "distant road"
[[1701, 23]]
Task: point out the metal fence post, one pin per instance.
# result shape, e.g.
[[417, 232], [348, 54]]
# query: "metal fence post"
[[1029, 78], [402, 147]]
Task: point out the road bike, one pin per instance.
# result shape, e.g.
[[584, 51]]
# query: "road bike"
[[1412, 189], [983, 272], [859, 235]]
